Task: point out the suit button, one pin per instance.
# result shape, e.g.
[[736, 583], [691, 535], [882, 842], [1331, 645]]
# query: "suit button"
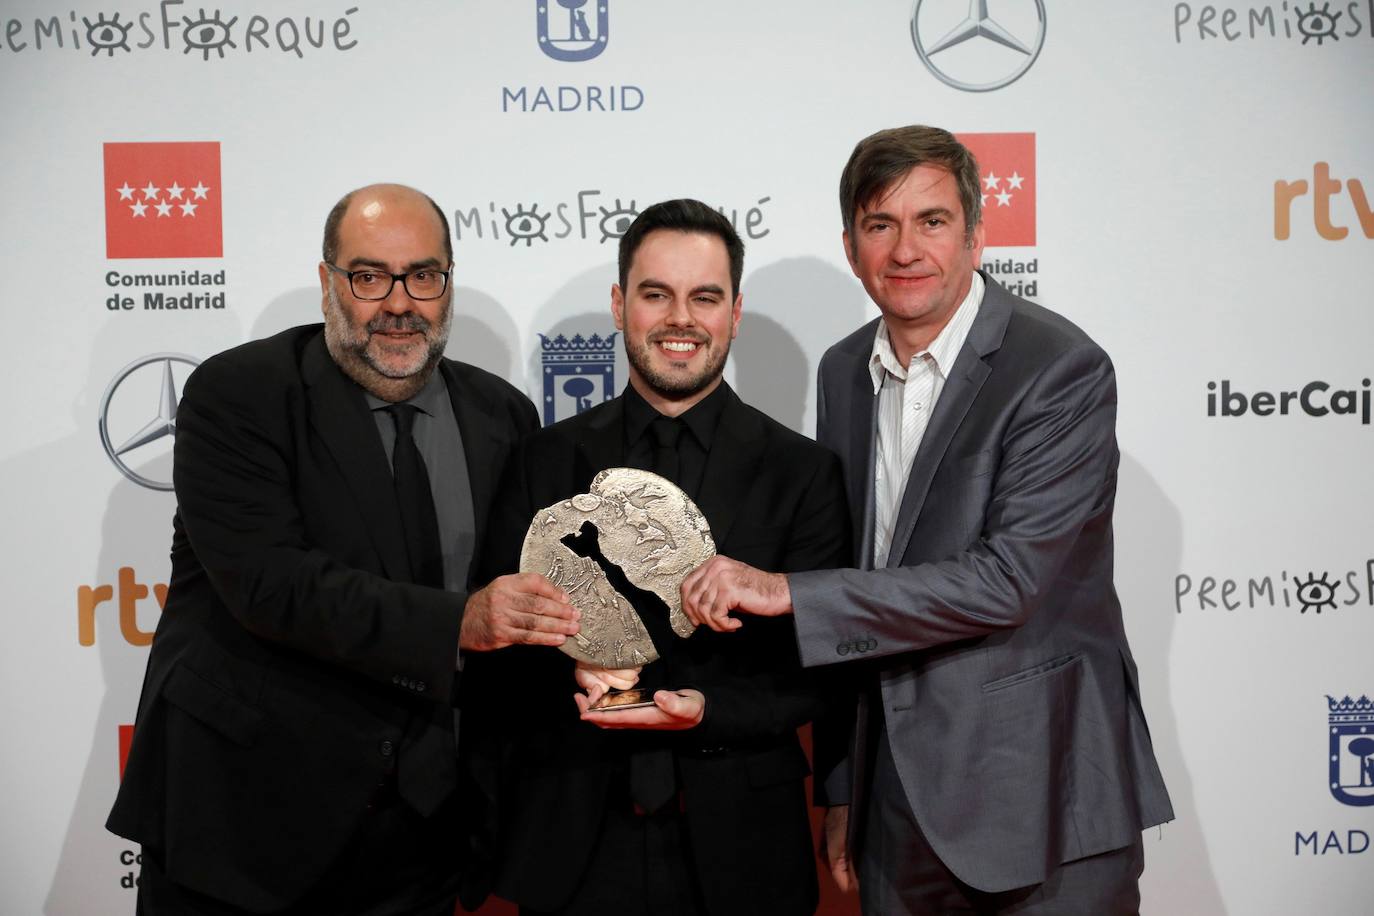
[[395, 679], [386, 748], [420, 686]]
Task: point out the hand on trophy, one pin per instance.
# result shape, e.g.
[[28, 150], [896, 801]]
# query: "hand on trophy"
[[721, 585], [598, 681], [521, 608]]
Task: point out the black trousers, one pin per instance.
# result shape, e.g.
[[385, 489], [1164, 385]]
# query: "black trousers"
[[641, 867], [900, 874], [397, 864]]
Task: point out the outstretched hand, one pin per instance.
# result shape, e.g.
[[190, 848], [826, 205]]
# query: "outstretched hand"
[[721, 585]]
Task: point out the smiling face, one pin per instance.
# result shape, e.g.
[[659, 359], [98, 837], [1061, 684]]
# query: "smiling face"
[[679, 313], [388, 346], [910, 249]]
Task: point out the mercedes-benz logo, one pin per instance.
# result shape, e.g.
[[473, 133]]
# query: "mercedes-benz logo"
[[1005, 53], [162, 424]]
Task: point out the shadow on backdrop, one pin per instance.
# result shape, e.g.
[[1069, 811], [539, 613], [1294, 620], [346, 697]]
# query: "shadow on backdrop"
[[794, 309], [1149, 551], [292, 308], [483, 334]]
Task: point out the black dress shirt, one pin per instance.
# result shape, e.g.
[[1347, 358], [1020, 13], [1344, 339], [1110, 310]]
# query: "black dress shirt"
[[700, 422]]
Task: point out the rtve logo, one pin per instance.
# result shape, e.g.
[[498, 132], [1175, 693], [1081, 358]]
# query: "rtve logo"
[[1323, 188], [131, 591]]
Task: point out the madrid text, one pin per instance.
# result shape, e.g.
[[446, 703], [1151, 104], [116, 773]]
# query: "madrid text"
[[167, 292], [1330, 842], [571, 98], [1020, 278]]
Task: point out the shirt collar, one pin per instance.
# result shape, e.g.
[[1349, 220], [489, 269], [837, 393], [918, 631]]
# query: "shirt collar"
[[428, 400], [943, 350], [701, 418]]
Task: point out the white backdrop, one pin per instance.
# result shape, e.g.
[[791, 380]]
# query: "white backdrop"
[[1160, 130]]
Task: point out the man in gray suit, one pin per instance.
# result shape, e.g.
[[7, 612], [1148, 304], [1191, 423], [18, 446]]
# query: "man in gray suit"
[[999, 760]]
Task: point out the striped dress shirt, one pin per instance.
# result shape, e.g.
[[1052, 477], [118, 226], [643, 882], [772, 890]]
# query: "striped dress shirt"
[[906, 397]]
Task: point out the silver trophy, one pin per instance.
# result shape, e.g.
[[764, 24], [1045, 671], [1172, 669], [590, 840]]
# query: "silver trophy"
[[650, 529]]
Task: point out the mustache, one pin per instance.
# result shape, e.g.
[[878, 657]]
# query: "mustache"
[[407, 321]]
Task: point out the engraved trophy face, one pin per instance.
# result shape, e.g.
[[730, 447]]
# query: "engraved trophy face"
[[645, 525]]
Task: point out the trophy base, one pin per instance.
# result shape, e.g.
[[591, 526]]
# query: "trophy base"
[[634, 698]]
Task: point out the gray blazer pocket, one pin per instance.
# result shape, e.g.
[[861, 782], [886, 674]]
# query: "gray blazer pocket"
[[212, 705], [1033, 673]]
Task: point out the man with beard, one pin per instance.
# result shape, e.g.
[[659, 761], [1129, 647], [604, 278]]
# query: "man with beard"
[[693, 805], [295, 744]]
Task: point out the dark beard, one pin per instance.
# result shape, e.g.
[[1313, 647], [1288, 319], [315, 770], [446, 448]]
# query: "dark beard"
[[347, 344], [669, 387]]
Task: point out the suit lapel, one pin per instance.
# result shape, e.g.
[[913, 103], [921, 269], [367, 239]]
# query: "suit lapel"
[[344, 424], [961, 389], [860, 403], [730, 466]]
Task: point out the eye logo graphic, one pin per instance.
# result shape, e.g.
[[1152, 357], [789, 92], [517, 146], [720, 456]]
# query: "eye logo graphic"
[[1318, 23], [1006, 168], [572, 38], [162, 200], [138, 423], [973, 51], [571, 369], [107, 34], [526, 225], [1315, 594], [616, 220], [1351, 749], [206, 34]]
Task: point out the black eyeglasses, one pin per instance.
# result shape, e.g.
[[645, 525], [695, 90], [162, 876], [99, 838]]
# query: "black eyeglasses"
[[369, 283]]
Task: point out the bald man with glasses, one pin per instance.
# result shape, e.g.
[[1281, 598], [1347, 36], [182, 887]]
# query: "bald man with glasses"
[[296, 745]]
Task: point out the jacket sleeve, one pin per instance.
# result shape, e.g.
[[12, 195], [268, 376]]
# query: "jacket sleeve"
[[1055, 476]]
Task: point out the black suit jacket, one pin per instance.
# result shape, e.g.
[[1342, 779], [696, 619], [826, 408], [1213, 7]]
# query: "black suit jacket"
[[294, 664], [774, 499]]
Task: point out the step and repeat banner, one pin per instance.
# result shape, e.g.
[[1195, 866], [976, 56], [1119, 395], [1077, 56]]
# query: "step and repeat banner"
[[1192, 183]]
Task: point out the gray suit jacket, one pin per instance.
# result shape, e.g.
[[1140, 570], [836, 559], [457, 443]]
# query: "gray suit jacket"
[[994, 634]]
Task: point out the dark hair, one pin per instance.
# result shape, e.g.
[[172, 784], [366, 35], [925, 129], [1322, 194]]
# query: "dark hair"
[[882, 159], [683, 215], [330, 248]]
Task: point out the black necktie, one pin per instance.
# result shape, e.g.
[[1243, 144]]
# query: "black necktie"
[[416, 501], [424, 772], [666, 432], [652, 783]]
